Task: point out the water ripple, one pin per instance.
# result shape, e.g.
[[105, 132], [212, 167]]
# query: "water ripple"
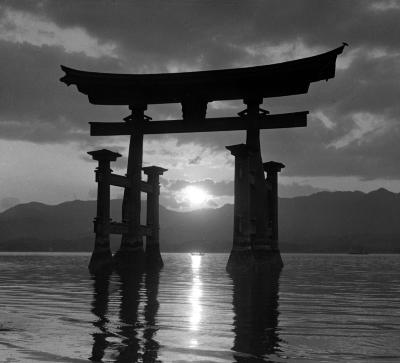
[[322, 308]]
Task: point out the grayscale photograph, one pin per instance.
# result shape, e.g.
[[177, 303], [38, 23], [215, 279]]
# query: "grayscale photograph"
[[199, 181]]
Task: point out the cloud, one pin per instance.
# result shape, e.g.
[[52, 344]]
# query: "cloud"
[[170, 202], [309, 152], [21, 27], [170, 36], [195, 160], [267, 52], [385, 5], [35, 106], [326, 121], [354, 121], [366, 126]]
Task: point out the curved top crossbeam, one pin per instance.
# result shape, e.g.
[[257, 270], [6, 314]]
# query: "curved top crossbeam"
[[274, 80]]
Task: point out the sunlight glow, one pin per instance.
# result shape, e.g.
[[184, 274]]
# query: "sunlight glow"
[[195, 195]]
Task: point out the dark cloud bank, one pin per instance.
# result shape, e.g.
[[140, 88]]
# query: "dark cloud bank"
[[163, 36]]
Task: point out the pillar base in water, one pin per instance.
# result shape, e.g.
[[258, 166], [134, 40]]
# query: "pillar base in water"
[[127, 258], [270, 258], [248, 260], [101, 261], [153, 258], [240, 260]]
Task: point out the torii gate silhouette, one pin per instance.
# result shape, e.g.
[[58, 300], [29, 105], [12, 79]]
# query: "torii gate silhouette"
[[255, 236]]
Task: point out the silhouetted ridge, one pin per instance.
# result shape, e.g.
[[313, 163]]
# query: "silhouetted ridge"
[[322, 222], [382, 193], [24, 209]]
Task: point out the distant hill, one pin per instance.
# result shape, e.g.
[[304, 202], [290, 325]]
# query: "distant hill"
[[322, 222], [341, 222]]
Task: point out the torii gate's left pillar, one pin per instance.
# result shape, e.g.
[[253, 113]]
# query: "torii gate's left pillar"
[[241, 256], [101, 259]]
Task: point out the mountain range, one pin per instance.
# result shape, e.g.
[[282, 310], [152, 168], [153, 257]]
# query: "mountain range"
[[330, 222]]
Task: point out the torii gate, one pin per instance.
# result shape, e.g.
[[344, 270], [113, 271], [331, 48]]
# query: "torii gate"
[[255, 217]]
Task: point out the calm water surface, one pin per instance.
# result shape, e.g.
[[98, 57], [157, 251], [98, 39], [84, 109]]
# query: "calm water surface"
[[322, 308]]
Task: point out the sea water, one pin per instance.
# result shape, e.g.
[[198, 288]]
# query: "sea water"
[[321, 308]]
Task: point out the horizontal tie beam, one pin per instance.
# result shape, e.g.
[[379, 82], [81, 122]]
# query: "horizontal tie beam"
[[122, 228], [119, 181], [278, 121], [123, 181]]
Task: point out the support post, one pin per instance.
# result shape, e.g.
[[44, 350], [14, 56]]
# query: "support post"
[[153, 256], [259, 211], [131, 254], [241, 255], [101, 257], [272, 168], [252, 113]]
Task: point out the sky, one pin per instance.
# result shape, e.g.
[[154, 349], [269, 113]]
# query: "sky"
[[352, 138]]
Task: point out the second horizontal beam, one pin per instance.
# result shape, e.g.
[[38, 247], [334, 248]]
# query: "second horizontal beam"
[[284, 120]]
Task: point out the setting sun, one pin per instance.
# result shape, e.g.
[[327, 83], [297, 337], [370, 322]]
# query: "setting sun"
[[195, 195]]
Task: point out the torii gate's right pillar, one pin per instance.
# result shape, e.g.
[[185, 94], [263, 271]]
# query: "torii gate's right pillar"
[[259, 211], [153, 256], [272, 168], [255, 236]]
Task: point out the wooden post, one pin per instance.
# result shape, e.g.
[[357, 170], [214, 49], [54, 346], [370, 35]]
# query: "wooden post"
[[252, 113], [153, 256], [272, 169], [101, 256], [259, 211], [241, 253], [131, 254]]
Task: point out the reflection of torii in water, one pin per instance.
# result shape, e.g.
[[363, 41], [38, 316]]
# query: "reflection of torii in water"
[[130, 285], [255, 308], [255, 219]]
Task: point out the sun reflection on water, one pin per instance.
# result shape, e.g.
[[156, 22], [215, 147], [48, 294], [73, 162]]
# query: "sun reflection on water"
[[196, 293], [196, 262]]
